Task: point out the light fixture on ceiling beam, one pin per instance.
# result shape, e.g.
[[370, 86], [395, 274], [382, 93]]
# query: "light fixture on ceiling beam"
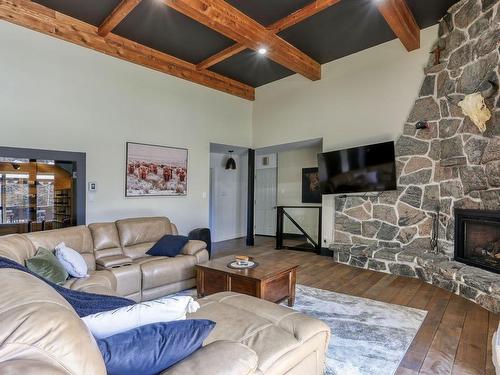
[[262, 50]]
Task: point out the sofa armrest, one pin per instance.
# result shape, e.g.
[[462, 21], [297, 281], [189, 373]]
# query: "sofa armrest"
[[193, 246], [113, 261], [28, 366], [239, 359], [128, 279]]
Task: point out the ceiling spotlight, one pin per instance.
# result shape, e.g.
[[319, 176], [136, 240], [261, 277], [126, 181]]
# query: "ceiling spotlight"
[[262, 51]]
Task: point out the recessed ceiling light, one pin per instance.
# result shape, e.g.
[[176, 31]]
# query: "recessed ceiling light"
[[262, 51]]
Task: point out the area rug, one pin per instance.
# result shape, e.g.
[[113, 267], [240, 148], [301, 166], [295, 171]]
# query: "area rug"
[[368, 337]]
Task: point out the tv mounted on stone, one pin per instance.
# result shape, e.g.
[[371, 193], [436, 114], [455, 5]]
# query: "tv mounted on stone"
[[362, 169]]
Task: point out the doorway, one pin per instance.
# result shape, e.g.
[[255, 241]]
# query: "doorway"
[[228, 192], [265, 194], [282, 187]]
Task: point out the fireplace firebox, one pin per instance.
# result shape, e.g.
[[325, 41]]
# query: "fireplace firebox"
[[477, 238]]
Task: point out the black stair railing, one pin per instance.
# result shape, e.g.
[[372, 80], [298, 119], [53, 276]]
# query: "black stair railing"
[[281, 213]]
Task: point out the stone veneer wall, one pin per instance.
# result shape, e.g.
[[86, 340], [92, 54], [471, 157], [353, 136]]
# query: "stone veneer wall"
[[449, 165]]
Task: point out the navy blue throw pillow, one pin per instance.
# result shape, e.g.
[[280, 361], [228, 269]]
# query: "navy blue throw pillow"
[[151, 349], [169, 245]]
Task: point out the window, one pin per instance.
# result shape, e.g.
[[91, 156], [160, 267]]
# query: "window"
[[15, 198], [45, 197], [35, 194]]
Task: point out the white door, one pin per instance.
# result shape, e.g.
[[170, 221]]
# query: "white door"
[[265, 201]]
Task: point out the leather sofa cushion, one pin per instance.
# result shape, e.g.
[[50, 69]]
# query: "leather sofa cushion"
[[270, 330], [193, 246], [128, 279], [38, 324], [158, 272], [173, 229], [142, 230], [77, 238], [29, 366], [106, 239], [113, 261], [16, 247], [241, 360], [104, 279], [137, 251]]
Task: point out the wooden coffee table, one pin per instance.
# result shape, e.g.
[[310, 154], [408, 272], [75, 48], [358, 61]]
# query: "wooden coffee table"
[[273, 279]]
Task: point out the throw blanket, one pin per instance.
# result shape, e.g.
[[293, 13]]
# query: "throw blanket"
[[83, 303]]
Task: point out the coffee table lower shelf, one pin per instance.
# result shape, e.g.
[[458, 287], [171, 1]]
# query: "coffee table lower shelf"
[[276, 288]]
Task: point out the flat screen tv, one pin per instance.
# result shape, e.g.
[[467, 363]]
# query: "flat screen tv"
[[362, 169]]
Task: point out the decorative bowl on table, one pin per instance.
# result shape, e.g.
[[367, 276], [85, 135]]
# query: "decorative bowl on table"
[[242, 262]]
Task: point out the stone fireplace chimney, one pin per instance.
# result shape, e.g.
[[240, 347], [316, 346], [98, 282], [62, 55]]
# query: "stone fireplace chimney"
[[448, 165]]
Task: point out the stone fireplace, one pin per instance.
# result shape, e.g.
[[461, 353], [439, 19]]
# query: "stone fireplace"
[[477, 238], [446, 167]]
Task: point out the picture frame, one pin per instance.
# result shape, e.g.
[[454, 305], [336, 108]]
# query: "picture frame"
[[153, 170], [311, 192]]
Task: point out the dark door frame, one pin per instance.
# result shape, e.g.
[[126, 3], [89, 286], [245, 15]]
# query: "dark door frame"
[[251, 198], [78, 158]]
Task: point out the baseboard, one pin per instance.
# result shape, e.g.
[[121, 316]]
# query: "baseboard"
[[293, 236], [325, 251]]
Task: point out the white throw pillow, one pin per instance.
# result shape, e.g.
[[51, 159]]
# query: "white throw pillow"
[[71, 260], [496, 350], [165, 309]]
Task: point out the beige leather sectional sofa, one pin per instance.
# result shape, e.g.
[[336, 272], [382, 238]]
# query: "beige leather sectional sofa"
[[115, 254], [40, 333]]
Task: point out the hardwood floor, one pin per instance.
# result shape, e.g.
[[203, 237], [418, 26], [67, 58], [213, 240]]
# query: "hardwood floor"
[[455, 337]]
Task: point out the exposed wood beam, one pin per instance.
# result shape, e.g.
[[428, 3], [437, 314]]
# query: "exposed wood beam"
[[117, 15], [222, 55], [400, 18], [47, 21], [300, 15], [229, 21], [280, 25]]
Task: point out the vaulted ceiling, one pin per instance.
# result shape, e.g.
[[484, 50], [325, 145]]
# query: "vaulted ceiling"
[[215, 42]]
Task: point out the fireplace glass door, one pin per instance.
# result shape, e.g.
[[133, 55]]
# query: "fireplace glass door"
[[477, 238], [482, 242]]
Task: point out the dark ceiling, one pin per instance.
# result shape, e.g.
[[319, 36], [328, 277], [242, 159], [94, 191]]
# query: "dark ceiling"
[[345, 28]]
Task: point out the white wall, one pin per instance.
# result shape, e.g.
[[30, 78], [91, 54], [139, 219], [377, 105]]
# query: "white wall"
[[229, 197], [290, 164], [55, 95], [361, 99]]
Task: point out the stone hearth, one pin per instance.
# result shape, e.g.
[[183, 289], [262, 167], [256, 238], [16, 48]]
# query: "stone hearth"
[[449, 165], [480, 286]]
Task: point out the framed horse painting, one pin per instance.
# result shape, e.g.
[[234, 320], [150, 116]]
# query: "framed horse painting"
[[156, 170]]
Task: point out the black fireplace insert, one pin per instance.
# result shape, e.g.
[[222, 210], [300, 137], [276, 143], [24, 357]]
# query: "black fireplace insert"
[[477, 238]]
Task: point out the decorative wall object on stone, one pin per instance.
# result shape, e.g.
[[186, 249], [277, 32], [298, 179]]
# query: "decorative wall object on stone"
[[450, 164]]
